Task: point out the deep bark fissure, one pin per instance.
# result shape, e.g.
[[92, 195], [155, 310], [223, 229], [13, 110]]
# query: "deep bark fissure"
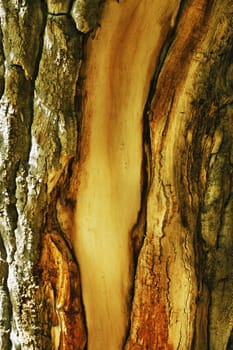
[[85, 146], [161, 60], [147, 173]]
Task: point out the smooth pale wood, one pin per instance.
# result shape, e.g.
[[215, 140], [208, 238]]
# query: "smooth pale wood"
[[120, 64]]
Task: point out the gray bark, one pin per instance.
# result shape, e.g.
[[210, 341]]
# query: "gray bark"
[[41, 56]]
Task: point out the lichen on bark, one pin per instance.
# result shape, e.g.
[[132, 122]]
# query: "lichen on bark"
[[38, 124]]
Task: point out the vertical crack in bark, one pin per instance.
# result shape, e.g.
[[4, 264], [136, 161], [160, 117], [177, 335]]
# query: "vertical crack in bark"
[[2, 65], [162, 57], [121, 61]]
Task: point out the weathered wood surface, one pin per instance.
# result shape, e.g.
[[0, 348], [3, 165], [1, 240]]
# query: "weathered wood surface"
[[116, 154]]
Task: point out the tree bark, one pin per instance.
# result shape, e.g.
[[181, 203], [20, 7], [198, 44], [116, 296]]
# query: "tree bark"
[[116, 155]]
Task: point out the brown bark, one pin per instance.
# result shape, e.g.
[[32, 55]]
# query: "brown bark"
[[116, 153]]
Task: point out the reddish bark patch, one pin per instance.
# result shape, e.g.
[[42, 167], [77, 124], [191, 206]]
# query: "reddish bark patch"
[[153, 315], [150, 309], [61, 284]]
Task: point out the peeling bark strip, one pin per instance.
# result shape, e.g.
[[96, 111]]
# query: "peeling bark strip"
[[171, 298], [165, 289]]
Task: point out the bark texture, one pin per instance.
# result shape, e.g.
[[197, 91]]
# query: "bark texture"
[[40, 294], [116, 156]]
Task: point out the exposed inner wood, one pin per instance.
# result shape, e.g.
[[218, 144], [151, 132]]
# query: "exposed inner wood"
[[121, 62]]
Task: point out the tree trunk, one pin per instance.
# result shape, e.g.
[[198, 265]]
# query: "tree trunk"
[[116, 155]]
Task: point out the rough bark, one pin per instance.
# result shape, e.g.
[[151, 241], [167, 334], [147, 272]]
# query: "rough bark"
[[41, 56], [116, 154]]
